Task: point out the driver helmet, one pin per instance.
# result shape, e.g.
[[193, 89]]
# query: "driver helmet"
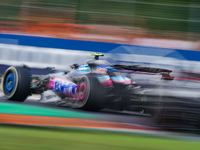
[[83, 68]]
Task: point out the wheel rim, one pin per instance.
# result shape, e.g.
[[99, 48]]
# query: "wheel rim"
[[82, 91], [9, 83]]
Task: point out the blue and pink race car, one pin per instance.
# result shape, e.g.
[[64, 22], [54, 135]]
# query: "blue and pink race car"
[[91, 86]]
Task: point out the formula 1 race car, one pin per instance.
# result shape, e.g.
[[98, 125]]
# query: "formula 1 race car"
[[99, 84], [92, 86]]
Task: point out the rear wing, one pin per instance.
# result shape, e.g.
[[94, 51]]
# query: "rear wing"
[[144, 69], [164, 72]]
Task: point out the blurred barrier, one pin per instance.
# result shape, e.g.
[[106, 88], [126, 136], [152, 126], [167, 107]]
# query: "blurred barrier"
[[41, 52], [40, 57]]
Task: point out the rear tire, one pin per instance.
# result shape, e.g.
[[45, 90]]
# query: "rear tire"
[[16, 83], [93, 98]]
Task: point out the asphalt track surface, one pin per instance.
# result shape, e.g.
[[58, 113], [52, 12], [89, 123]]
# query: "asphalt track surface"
[[131, 118], [125, 117]]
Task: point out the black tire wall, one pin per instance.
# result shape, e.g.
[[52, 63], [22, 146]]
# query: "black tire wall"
[[21, 88]]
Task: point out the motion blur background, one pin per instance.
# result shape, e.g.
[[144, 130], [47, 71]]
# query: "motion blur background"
[[163, 29], [168, 24]]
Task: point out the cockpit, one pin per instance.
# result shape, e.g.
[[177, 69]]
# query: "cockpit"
[[95, 63]]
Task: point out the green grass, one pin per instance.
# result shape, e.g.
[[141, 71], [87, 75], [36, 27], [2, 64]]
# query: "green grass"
[[9, 10], [17, 138]]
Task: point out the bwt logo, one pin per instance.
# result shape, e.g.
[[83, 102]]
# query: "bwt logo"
[[67, 87]]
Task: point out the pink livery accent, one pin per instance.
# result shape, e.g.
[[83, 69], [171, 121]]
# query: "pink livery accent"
[[81, 91], [68, 88], [105, 80], [120, 79], [50, 84], [107, 83]]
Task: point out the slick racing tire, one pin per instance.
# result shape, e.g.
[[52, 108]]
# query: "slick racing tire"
[[16, 83], [91, 93]]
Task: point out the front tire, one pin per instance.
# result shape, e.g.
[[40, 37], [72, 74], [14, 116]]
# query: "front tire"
[[16, 83]]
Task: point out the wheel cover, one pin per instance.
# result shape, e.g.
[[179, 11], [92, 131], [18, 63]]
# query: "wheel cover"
[[82, 91], [9, 83]]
